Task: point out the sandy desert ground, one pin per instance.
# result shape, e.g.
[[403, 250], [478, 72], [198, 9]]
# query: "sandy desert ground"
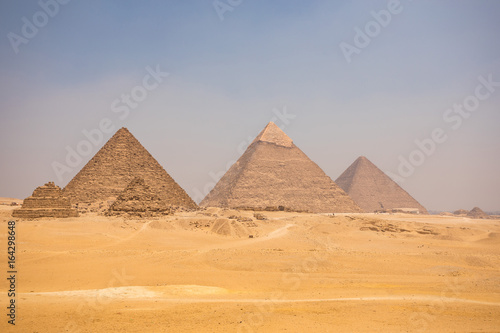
[[200, 272]]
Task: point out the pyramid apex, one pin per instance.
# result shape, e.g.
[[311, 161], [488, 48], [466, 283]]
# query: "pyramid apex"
[[362, 159], [123, 134], [273, 134]]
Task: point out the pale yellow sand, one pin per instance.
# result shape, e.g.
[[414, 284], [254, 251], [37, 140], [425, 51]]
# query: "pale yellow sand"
[[300, 272], [8, 201]]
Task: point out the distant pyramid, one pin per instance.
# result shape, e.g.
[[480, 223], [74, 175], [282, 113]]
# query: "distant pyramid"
[[140, 200], [373, 190], [461, 212], [118, 162], [477, 213], [273, 172]]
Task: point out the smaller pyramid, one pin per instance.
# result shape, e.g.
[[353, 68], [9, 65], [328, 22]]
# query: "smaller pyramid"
[[461, 212], [373, 190], [46, 201], [138, 199], [477, 213]]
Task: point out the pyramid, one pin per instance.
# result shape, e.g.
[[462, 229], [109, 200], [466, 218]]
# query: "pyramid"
[[140, 200], [373, 190], [46, 201], [115, 165], [477, 213], [274, 173], [461, 212]]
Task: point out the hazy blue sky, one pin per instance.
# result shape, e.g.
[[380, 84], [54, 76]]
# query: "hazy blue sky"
[[227, 76]]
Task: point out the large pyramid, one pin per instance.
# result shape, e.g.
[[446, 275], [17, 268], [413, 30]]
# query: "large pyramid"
[[118, 162], [273, 172], [373, 190]]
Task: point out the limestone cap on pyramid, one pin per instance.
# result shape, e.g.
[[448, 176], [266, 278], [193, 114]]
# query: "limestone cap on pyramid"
[[273, 134]]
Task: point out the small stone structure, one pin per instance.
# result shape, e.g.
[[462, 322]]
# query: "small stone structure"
[[46, 201], [138, 199]]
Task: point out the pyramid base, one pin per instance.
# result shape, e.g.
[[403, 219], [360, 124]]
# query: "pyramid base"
[[37, 213], [272, 209], [140, 214]]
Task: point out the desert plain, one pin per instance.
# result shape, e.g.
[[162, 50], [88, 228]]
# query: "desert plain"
[[224, 270]]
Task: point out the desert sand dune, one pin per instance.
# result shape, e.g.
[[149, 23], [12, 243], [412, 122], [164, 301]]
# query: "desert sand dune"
[[299, 272]]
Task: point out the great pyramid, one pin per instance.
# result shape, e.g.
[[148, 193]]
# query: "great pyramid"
[[140, 200], [273, 172], [115, 165], [46, 201], [373, 190]]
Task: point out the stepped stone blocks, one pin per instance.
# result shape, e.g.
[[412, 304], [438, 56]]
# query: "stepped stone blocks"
[[138, 199], [273, 172], [118, 162], [374, 191], [46, 201]]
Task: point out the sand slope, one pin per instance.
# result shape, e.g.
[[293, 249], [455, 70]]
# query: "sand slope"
[[199, 271]]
